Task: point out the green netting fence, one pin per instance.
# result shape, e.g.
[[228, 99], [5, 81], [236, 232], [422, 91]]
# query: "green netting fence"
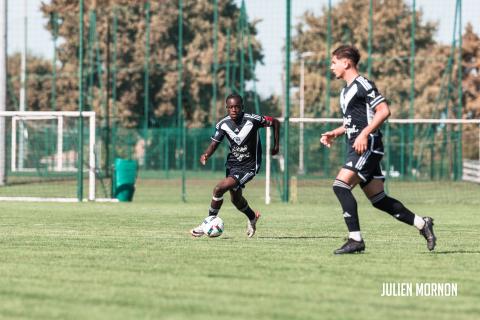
[[157, 74]]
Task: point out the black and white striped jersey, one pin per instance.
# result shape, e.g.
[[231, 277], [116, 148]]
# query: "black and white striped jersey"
[[244, 140], [358, 102]]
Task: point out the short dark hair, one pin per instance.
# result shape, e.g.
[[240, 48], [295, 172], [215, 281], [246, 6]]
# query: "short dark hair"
[[235, 96], [348, 52]]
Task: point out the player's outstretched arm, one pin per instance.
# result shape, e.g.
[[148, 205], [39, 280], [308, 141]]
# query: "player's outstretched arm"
[[210, 150], [328, 137]]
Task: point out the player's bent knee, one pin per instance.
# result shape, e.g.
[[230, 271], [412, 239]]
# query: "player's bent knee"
[[385, 203], [377, 200], [340, 186], [218, 191]]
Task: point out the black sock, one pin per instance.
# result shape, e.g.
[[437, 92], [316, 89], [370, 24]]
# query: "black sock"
[[212, 211], [247, 211], [349, 205], [393, 207]]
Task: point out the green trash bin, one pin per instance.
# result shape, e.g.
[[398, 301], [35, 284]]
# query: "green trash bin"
[[124, 179]]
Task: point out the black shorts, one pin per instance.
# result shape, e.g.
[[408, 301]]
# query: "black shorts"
[[366, 165], [242, 176]]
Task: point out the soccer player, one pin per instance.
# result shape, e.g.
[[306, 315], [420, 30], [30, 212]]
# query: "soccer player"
[[243, 161], [364, 110]]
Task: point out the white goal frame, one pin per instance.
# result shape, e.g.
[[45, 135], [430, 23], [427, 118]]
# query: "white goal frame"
[[472, 174], [17, 116]]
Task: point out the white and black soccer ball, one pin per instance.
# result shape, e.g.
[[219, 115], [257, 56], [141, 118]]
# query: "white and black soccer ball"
[[213, 226]]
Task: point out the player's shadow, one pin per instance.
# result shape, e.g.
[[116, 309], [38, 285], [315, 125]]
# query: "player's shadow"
[[301, 237], [454, 252]]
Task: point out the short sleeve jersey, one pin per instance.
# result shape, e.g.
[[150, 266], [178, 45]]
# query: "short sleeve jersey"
[[244, 140], [358, 102]]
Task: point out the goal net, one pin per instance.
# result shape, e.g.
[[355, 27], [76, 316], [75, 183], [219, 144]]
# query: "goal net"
[[42, 156], [425, 160]]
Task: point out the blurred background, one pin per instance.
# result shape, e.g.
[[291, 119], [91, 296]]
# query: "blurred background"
[[156, 73]]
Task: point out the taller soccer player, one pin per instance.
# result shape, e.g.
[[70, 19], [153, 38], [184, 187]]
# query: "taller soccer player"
[[364, 110]]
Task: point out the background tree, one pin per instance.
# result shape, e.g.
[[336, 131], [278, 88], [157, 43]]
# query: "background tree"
[[471, 72], [39, 84], [391, 50], [471, 89], [197, 57]]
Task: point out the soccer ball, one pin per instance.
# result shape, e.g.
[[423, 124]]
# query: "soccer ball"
[[213, 226]]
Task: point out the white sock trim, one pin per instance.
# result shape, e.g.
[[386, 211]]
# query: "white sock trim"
[[217, 199], [355, 235], [418, 222]]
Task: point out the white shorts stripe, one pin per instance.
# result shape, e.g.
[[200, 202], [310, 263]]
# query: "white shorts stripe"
[[362, 160], [246, 177]]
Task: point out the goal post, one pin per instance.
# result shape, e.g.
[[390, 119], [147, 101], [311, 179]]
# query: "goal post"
[[52, 155], [444, 149]]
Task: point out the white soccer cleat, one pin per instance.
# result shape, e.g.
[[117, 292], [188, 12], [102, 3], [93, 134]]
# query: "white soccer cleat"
[[197, 231], [252, 225]]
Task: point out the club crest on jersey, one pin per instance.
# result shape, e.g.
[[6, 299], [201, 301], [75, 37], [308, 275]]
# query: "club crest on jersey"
[[371, 94], [242, 135]]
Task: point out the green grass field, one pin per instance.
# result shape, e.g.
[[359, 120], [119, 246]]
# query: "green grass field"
[[137, 261]]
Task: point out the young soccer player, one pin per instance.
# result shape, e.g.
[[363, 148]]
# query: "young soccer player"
[[243, 161], [364, 110]]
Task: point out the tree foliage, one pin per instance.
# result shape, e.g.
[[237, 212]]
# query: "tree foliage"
[[38, 83], [391, 58], [471, 77], [198, 57]]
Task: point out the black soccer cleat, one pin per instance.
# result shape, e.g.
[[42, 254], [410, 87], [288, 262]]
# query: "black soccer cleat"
[[351, 246], [427, 233]]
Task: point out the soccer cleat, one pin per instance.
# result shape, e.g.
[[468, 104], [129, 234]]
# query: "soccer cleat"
[[197, 231], [252, 225], [351, 246], [427, 233]]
